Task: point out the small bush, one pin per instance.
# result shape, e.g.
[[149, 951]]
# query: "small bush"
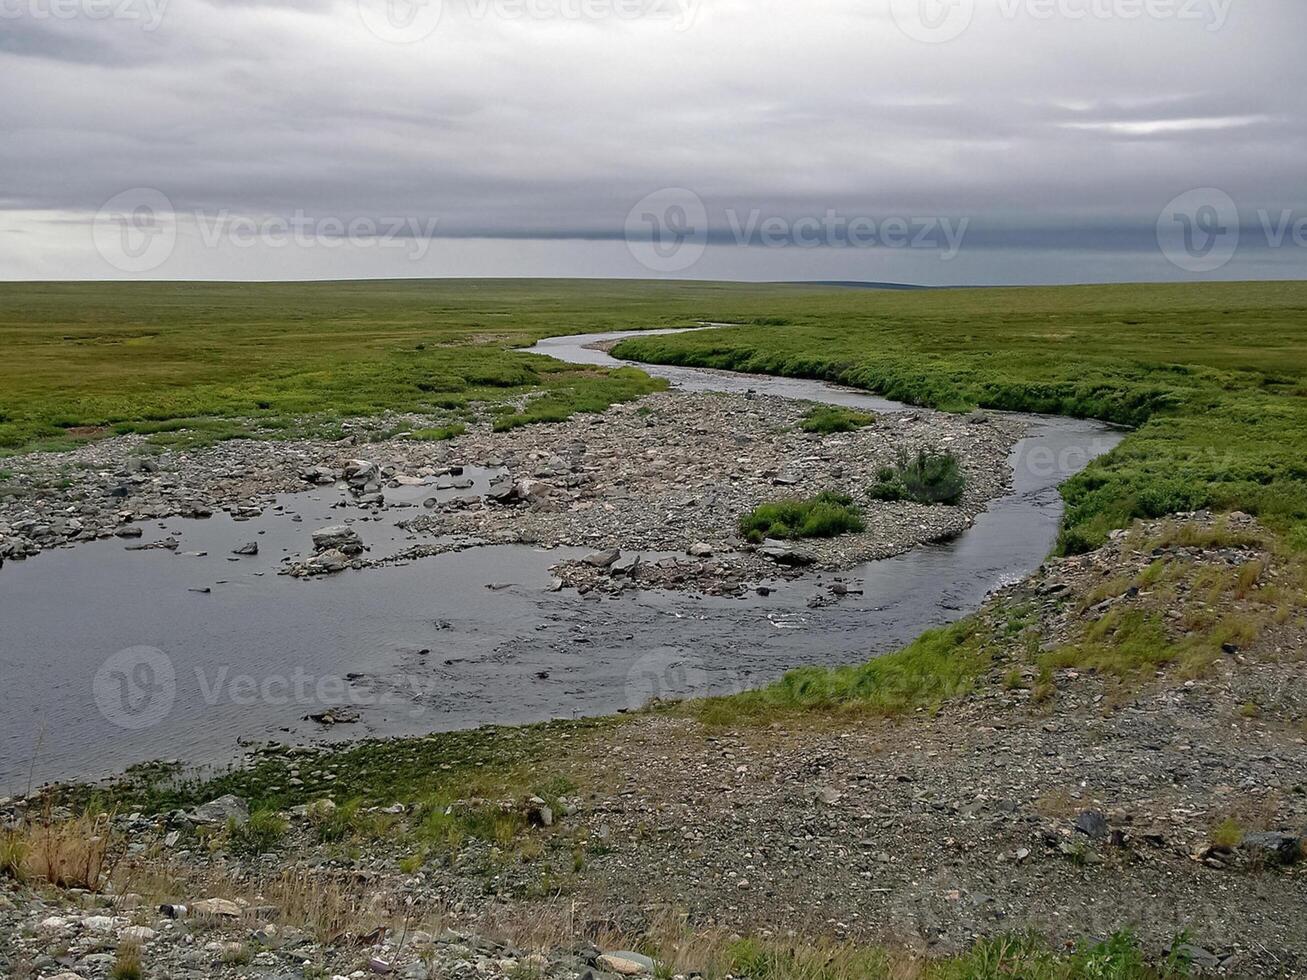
[[927, 478], [448, 825], [332, 824], [258, 835], [824, 516], [830, 418]]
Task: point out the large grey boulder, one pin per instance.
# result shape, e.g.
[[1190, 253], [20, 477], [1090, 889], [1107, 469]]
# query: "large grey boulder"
[[221, 810], [338, 538]]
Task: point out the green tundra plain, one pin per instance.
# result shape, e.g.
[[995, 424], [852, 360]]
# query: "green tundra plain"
[[1212, 377]]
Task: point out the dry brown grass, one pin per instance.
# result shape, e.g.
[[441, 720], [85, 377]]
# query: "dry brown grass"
[[332, 908], [127, 964], [75, 853]]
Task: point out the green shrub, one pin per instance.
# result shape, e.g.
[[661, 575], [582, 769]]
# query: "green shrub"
[[927, 478], [831, 418], [823, 516], [258, 835]]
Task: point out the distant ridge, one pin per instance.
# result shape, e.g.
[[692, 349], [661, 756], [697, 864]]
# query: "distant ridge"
[[857, 284]]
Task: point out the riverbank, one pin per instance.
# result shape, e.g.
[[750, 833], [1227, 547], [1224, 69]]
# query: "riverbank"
[[1211, 377], [1063, 789], [453, 539]]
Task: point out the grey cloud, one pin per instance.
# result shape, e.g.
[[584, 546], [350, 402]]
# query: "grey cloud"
[[1043, 136]]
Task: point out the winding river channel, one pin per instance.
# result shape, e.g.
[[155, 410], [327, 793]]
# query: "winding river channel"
[[112, 657]]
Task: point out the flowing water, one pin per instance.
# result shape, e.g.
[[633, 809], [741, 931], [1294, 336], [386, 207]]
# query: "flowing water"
[[112, 656]]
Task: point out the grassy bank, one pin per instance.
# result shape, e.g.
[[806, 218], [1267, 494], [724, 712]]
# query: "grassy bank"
[[1213, 375]]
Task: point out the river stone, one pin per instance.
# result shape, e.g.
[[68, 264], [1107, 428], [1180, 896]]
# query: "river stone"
[[1092, 824], [785, 555], [338, 538], [625, 565], [220, 908], [221, 810], [602, 559], [360, 472], [1272, 848], [626, 964]]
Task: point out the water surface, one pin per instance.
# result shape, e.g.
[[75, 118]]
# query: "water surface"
[[110, 658]]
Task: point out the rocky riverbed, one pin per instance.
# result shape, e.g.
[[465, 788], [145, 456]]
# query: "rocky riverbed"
[[1169, 799], [672, 474], [669, 475]]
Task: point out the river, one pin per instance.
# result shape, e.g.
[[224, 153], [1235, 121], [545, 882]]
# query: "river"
[[113, 657]]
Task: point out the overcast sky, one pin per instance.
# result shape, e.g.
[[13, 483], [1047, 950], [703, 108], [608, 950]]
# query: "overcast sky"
[[932, 141]]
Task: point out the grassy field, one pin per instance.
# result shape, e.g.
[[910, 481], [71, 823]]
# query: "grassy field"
[[1214, 377], [212, 358]]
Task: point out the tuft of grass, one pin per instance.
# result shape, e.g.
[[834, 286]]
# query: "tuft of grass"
[[1227, 835], [127, 963], [66, 854], [441, 434], [828, 419], [260, 834], [927, 478], [939, 665], [237, 955], [824, 516]]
